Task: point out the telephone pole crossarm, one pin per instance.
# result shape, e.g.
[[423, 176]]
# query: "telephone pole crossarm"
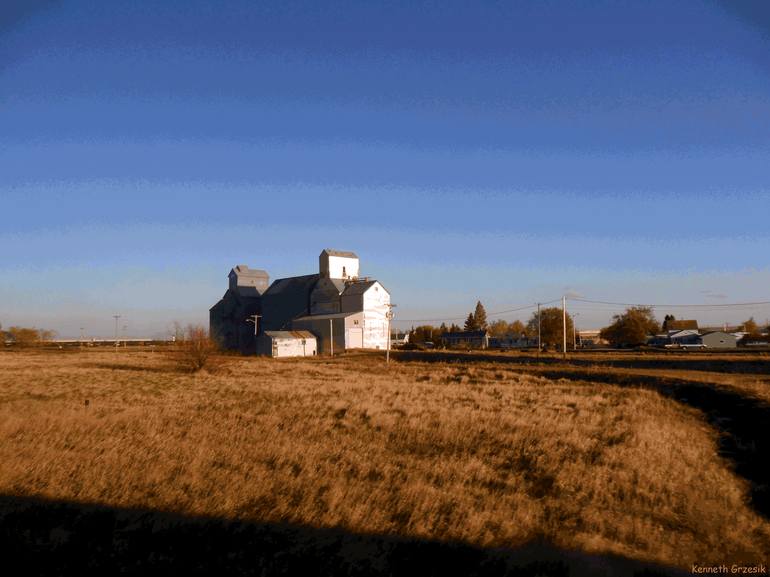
[[389, 315]]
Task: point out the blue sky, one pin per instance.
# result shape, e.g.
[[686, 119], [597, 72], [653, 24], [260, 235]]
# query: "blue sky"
[[509, 152]]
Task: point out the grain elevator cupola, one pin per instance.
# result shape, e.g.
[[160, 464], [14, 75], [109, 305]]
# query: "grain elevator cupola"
[[338, 264], [248, 281]]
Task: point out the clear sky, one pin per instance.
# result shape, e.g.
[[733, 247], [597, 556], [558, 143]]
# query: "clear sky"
[[510, 152]]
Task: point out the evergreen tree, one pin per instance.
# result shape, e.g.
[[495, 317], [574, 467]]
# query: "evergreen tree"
[[480, 317], [470, 323]]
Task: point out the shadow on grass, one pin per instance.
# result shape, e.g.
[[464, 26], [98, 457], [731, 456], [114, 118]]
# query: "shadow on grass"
[[119, 366], [736, 363], [741, 421], [65, 538]]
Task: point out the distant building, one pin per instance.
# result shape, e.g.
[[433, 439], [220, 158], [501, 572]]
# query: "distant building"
[[466, 339], [591, 338], [681, 325], [335, 305], [511, 342], [228, 322], [685, 337], [399, 338], [719, 340], [287, 344]]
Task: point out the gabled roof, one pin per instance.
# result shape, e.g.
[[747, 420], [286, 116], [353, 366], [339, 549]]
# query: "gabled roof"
[[681, 325], [358, 288], [292, 284], [241, 296], [248, 292], [337, 283], [244, 270], [345, 253], [683, 333]]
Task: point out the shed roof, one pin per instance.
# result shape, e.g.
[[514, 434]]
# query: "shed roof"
[[289, 334], [345, 253]]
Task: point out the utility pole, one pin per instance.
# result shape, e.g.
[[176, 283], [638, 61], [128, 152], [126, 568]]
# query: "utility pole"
[[574, 332], [254, 319], [389, 315], [331, 338], [539, 346], [82, 337], [564, 326], [116, 317]]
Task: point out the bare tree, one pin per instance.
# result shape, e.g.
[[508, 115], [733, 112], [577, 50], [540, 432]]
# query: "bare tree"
[[194, 349]]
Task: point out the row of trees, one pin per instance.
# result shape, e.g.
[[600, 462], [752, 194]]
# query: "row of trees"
[[26, 336], [550, 327], [629, 329], [636, 324]]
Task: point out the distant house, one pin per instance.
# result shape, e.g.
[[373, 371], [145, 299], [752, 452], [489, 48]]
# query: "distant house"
[[591, 338], [719, 340], [681, 325], [399, 338], [687, 337], [511, 342], [466, 339], [287, 344]]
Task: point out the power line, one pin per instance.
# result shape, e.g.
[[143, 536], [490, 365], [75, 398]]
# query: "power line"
[[704, 307], [492, 314], [708, 305]]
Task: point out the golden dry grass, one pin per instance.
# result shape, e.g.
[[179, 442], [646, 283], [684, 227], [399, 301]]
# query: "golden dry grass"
[[473, 453]]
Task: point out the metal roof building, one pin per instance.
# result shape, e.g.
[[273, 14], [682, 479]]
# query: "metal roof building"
[[335, 304]]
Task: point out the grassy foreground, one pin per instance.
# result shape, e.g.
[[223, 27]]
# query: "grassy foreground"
[[474, 453]]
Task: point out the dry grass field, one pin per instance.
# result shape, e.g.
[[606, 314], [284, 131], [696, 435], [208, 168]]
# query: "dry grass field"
[[493, 455]]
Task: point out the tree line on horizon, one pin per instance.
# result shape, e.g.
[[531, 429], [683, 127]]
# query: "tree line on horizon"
[[627, 329], [26, 336], [550, 327]]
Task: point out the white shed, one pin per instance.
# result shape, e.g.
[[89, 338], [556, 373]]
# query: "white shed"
[[287, 344]]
